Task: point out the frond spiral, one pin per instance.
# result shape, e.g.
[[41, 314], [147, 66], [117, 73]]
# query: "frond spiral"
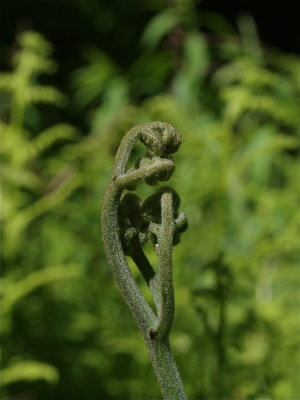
[[128, 223]]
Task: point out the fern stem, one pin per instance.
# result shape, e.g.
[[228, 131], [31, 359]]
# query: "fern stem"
[[165, 368], [135, 301]]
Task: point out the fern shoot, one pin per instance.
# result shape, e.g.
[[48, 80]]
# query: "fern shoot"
[[128, 222]]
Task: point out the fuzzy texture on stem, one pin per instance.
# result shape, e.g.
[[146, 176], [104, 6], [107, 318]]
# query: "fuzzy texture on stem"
[[128, 222]]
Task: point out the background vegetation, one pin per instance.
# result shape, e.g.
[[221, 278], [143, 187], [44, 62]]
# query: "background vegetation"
[[67, 334]]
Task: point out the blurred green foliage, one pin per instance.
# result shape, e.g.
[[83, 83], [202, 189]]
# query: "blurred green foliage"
[[65, 329]]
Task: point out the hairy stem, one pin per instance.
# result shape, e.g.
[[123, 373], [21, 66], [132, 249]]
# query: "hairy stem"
[[165, 368], [165, 239], [136, 302]]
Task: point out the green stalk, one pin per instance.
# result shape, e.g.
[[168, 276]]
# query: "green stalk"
[[166, 371]]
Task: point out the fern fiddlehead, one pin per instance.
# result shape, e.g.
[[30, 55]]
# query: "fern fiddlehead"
[[128, 222]]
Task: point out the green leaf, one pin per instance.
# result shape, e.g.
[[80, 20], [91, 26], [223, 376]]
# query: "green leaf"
[[44, 94], [158, 27], [21, 219], [51, 135], [196, 56], [29, 371], [14, 291], [187, 82], [91, 80], [35, 41], [250, 37]]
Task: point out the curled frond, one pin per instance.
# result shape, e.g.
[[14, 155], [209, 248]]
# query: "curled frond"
[[128, 222]]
